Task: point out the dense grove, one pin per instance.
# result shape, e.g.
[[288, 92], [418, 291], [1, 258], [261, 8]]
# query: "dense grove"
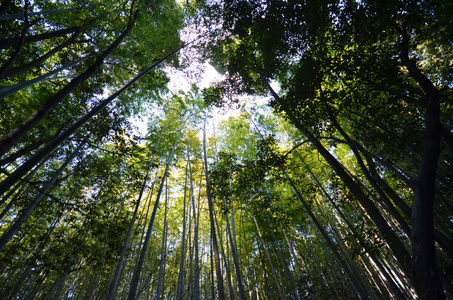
[[339, 186]]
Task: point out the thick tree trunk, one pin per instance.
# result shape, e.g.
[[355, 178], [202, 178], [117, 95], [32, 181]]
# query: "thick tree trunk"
[[425, 271], [378, 183]]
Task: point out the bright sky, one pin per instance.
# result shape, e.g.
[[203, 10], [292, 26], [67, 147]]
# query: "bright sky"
[[203, 76], [200, 73]]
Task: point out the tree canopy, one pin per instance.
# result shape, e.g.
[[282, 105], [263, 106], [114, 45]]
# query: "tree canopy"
[[316, 166]]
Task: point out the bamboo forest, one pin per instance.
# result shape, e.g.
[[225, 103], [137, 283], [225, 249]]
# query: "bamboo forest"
[[226, 149]]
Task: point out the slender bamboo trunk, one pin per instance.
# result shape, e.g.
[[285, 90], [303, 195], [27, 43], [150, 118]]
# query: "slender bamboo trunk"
[[18, 190], [13, 136], [41, 59], [388, 278], [398, 249], [346, 250], [14, 156], [8, 235], [215, 249], [31, 264], [94, 287], [114, 284], [196, 218], [11, 42], [39, 13], [286, 271], [85, 282], [30, 163], [211, 273], [354, 281], [224, 258], [163, 252], [295, 259], [20, 41], [12, 89], [188, 278], [234, 252], [180, 285], [269, 259], [138, 270], [388, 205]]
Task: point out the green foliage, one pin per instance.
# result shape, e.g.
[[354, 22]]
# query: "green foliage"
[[341, 78]]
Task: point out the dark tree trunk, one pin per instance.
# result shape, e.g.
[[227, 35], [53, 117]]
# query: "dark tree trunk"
[[33, 146], [5, 6], [39, 13], [36, 158], [43, 58], [398, 249], [20, 44], [425, 271], [383, 197], [11, 42], [8, 235]]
